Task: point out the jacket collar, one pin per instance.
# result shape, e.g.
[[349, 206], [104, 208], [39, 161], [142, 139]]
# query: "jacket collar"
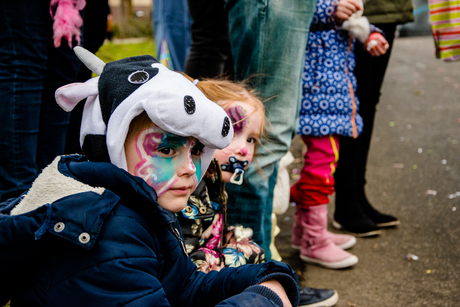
[[134, 191], [95, 188]]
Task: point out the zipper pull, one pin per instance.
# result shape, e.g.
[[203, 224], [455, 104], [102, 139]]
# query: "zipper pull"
[[179, 238]]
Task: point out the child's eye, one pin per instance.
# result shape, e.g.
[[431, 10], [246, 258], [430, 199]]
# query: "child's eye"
[[252, 140], [168, 151], [197, 151]]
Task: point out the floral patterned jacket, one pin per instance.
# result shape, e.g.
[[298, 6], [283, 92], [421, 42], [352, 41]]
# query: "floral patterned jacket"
[[210, 242]]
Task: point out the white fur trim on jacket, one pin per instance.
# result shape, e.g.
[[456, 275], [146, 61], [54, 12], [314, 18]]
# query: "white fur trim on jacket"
[[50, 186]]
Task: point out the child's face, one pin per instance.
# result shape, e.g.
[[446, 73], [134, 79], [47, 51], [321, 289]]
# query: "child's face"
[[167, 162], [246, 134]]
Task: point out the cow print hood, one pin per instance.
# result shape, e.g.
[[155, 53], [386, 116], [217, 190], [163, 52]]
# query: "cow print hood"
[[126, 88]]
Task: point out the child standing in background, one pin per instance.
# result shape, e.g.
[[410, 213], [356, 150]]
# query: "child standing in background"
[[329, 109]]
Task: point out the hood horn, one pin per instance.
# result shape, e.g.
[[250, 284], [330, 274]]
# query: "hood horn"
[[95, 64]]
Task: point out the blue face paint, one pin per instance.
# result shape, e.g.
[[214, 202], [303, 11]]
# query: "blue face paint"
[[161, 155]]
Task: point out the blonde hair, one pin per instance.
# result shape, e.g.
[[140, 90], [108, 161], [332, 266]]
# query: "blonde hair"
[[224, 92], [137, 124]]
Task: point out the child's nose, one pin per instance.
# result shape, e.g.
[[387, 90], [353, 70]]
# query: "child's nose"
[[243, 150], [186, 167]]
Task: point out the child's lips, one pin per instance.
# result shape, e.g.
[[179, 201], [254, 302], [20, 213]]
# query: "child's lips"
[[183, 190]]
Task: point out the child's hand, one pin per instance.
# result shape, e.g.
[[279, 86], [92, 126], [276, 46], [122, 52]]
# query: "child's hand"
[[276, 287], [376, 44], [345, 8]]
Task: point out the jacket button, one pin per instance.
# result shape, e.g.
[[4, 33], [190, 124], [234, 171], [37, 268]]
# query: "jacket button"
[[58, 227], [84, 237]]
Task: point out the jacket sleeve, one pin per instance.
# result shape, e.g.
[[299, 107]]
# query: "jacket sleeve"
[[118, 282], [214, 287], [374, 29]]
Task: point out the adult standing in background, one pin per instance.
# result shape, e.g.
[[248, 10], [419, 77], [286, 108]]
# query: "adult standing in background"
[[353, 212], [268, 40], [33, 64], [171, 27], [209, 55]]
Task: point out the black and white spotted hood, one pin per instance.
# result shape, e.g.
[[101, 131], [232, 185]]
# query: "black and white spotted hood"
[[126, 88]]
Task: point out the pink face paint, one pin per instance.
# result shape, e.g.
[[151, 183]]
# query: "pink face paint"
[[159, 171], [238, 116]]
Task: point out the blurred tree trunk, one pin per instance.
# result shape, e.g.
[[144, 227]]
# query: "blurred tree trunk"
[[126, 9]]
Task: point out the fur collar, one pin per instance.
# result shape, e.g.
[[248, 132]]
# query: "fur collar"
[[50, 186]]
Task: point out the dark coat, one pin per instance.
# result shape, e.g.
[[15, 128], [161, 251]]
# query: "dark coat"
[[91, 234], [389, 11]]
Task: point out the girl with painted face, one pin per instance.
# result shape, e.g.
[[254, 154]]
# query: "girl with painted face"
[[210, 242]]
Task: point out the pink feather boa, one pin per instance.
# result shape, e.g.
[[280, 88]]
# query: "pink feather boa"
[[67, 20]]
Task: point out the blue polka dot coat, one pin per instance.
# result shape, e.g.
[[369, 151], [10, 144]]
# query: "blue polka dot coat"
[[329, 106]]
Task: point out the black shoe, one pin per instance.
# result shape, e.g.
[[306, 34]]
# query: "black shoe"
[[379, 219], [311, 297], [351, 219], [360, 228], [349, 215]]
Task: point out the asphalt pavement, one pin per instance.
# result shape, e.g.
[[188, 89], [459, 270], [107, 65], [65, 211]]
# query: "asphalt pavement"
[[414, 174]]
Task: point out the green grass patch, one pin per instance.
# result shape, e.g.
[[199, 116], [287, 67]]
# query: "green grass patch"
[[119, 49]]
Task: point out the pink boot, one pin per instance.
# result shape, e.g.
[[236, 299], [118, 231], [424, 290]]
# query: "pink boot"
[[341, 240], [317, 247]]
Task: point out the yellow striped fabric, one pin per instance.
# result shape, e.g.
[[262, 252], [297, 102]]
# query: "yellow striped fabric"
[[445, 23]]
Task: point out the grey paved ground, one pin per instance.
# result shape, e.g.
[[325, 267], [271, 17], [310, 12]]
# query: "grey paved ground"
[[415, 148]]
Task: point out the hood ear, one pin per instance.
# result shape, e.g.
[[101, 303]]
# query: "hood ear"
[[69, 95]]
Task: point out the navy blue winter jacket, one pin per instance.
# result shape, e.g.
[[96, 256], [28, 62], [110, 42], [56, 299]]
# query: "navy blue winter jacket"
[[91, 234]]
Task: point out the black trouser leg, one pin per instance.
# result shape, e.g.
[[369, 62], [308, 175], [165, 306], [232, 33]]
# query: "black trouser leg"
[[210, 54], [350, 177]]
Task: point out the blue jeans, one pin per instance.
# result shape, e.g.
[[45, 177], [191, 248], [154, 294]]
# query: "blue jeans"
[[171, 20], [268, 40], [32, 125]]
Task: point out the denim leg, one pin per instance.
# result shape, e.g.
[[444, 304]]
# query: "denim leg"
[[171, 21], [62, 69], [248, 299], [268, 40], [25, 30], [32, 126]]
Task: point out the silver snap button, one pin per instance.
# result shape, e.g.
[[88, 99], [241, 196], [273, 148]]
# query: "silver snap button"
[[84, 237], [58, 227]]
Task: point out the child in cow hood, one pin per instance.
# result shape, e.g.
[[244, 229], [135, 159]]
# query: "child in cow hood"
[[101, 229]]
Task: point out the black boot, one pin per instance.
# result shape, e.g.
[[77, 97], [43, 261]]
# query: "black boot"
[[380, 219], [350, 217]]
